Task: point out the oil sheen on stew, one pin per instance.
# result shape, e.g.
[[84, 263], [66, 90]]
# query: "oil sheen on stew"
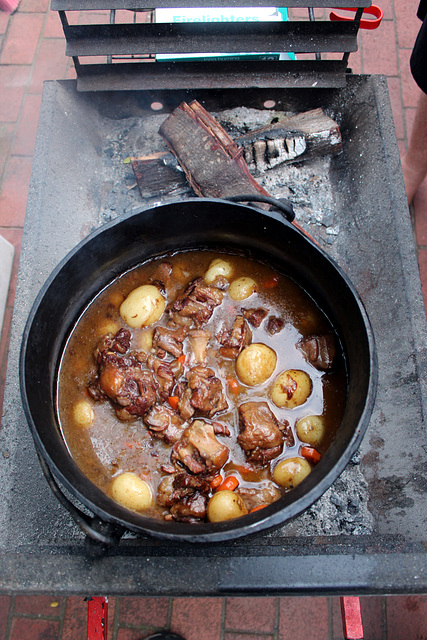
[[200, 386]]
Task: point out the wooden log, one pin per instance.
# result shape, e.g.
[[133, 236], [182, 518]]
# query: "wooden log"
[[212, 161], [159, 174], [300, 137]]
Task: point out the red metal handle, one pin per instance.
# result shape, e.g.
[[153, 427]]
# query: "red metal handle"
[[375, 11], [351, 618], [97, 616]]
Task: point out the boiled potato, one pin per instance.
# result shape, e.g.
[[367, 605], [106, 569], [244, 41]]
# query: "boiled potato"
[[290, 472], [291, 388], [242, 288], [109, 326], [225, 505], [218, 268], [131, 491], [83, 413], [143, 306], [255, 364], [311, 429], [145, 340]]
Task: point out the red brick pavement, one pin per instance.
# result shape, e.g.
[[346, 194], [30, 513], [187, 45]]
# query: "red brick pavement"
[[32, 50]]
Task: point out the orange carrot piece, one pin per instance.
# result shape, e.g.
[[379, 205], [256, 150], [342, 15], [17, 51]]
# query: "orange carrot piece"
[[181, 359], [215, 482], [230, 483], [242, 469], [272, 282], [260, 506], [233, 385], [310, 454], [173, 402]]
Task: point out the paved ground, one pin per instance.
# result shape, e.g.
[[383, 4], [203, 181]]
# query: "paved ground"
[[31, 51]]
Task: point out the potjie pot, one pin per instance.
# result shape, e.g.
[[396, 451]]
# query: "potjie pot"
[[196, 223]]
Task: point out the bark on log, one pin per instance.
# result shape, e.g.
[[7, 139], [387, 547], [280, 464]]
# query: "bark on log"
[[212, 161]]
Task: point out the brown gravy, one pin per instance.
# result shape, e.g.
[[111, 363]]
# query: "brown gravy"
[[108, 446]]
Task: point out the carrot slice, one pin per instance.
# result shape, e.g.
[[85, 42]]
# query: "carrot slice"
[[181, 359], [310, 454], [260, 506], [272, 282], [215, 482], [173, 402], [230, 483], [233, 385]]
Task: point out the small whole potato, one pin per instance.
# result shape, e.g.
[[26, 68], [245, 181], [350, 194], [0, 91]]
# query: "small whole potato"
[[291, 388], [311, 429], [255, 364], [242, 288], [83, 414], [131, 491], [108, 326], [290, 472], [143, 306], [218, 268], [225, 505]]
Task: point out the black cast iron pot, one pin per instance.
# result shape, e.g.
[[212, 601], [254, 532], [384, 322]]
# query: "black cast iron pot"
[[181, 225]]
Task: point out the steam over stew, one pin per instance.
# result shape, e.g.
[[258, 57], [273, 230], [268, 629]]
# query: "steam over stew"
[[200, 386]]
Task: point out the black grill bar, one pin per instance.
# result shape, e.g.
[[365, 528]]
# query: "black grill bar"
[[259, 74], [307, 37], [95, 5]]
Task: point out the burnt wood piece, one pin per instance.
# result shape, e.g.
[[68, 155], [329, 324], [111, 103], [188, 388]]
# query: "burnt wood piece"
[[213, 163], [300, 137], [159, 174]]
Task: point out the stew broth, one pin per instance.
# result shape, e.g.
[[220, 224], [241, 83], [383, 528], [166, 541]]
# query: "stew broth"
[[109, 437]]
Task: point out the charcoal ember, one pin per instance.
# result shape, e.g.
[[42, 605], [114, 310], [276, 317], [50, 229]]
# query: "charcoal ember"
[[233, 341], [319, 350]]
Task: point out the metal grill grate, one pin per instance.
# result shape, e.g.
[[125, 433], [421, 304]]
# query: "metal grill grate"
[[118, 48]]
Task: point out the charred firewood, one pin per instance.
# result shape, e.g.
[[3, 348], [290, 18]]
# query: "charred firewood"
[[159, 173], [213, 163], [294, 139]]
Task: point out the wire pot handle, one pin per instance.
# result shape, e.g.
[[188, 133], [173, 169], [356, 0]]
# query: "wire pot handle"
[[283, 205]]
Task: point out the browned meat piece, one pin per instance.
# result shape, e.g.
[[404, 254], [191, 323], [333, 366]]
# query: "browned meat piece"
[[197, 303], [164, 376], [207, 392], [169, 340], [256, 497], [184, 393], [260, 436], [255, 316], [199, 450], [164, 423], [221, 429], [119, 342], [123, 380], [191, 508], [186, 495], [198, 339], [274, 325], [286, 429], [235, 340], [319, 350], [161, 276]]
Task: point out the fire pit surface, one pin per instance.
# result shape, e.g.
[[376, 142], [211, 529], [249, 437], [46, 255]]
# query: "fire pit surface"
[[367, 534]]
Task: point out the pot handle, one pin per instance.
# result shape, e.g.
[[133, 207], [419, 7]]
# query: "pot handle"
[[283, 205], [99, 534]]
